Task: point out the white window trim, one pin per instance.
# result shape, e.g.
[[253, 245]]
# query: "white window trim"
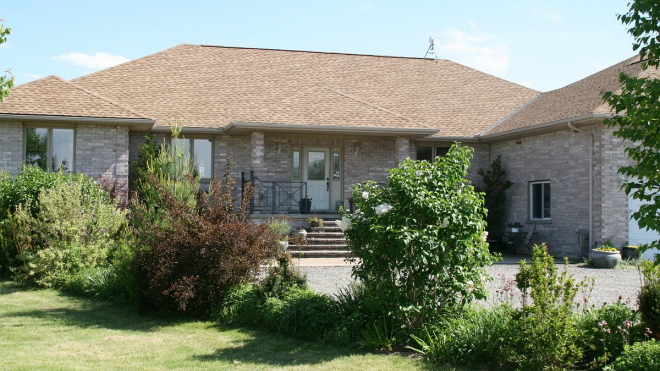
[[531, 201]]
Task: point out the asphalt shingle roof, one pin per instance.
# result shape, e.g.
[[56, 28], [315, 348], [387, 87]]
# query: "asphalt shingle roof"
[[209, 87], [53, 96]]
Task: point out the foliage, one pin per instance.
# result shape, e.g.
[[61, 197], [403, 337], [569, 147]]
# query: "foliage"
[[640, 356], [6, 83], [637, 114], [379, 335], [605, 331], [419, 243], [171, 168], [76, 227], [546, 327], [315, 220], [280, 226], [281, 278], [193, 255], [495, 187], [515, 224], [474, 336], [649, 298]]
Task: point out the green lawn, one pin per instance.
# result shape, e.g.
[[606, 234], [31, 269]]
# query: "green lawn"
[[43, 329]]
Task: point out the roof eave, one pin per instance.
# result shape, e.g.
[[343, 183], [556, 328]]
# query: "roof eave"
[[542, 128], [134, 123], [244, 127]]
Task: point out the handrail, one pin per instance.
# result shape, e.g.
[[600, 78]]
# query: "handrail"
[[274, 197]]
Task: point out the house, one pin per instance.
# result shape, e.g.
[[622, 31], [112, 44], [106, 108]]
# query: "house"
[[309, 123]]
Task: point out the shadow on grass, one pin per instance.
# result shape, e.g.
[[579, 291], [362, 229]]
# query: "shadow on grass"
[[86, 313], [264, 348]]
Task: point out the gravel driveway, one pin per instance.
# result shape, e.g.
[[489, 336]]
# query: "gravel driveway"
[[609, 283]]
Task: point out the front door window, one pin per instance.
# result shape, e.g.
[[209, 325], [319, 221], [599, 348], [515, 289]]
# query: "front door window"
[[316, 166]]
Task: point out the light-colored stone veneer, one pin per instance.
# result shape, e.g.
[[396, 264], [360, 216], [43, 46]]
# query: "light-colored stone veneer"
[[11, 146], [103, 150]]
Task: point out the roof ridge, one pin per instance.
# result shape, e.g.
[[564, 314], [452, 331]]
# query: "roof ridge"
[[98, 96], [313, 51], [371, 105], [490, 74]]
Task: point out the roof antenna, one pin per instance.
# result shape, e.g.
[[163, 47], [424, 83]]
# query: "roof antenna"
[[431, 49]]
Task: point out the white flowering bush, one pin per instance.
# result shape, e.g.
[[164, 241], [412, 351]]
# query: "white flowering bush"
[[420, 242]]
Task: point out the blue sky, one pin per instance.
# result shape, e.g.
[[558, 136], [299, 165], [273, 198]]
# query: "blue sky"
[[541, 44]]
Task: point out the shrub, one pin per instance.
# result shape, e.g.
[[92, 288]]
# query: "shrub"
[[419, 242], [649, 298], [281, 278], [194, 254], [605, 331], [545, 328], [495, 187], [475, 336], [642, 356], [76, 227], [243, 304], [23, 190], [300, 313]]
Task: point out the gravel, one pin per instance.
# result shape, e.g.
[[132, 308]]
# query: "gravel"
[[609, 283]]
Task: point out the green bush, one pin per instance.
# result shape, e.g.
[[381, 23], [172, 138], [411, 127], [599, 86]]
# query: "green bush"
[[281, 278], [301, 313], [545, 333], [605, 331], [420, 242], [475, 336], [649, 298], [642, 356], [23, 189], [243, 305], [75, 228]]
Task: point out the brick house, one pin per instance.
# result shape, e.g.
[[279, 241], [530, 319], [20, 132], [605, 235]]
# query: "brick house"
[[310, 123]]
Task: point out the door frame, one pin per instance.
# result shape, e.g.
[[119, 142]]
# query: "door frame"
[[335, 194]]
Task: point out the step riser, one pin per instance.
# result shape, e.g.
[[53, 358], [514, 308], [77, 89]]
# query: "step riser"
[[321, 254]]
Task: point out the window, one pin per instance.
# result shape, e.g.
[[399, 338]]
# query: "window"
[[539, 200], [49, 148], [335, 166], [429, 153], [425, 153], [296, 165], [315, 165], [202, 152]]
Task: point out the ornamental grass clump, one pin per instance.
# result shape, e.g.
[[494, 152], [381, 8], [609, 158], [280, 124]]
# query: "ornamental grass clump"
[[420, 242]]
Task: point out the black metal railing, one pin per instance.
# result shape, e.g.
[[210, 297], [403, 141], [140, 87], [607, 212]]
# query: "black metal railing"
[[274, 197]]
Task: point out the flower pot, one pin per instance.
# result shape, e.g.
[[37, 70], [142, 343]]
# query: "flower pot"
[[605, 259], [629, 252], [314, 224], [284, 245], [305, 205], [515, 230], [302, 232]]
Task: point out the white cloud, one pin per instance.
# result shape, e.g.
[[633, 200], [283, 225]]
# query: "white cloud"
[[97, 61], [31, 76], [477, 50]]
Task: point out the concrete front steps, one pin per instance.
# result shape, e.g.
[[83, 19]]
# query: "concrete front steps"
[[323, 242]]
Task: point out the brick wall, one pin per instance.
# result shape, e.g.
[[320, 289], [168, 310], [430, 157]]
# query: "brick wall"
[[561, 157], [373, 158], [11, 146], [103, 150]]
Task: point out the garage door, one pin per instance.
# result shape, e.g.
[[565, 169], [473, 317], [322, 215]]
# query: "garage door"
[[637, 235]]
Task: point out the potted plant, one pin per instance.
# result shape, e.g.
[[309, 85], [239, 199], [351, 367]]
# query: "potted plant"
[[305, 205], [630, 252], [302, 232], [606, 256], [315, 222], [515, 226]]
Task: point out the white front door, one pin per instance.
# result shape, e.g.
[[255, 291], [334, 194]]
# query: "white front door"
[[316, 172]]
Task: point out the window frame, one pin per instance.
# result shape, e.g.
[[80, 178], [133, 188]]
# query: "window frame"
[[191, 153], [434, 149], [543, 208], [49, 144]]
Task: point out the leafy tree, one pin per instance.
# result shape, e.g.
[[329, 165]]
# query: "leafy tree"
[[495, 187], [637, 114], [6, 82]]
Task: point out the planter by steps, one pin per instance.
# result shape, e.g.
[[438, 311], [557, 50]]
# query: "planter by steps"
[[605, 259], [630, 252]]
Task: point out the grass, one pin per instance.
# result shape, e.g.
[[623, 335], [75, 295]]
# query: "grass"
[[46, 330]]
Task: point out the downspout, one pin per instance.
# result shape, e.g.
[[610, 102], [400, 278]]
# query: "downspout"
[[591, 181]]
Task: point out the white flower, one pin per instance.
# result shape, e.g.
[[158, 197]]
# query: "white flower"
[[484, 236], [365, 195], [383, 209], [445, 223], [344, 224], [469, 286], [418, 173]]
